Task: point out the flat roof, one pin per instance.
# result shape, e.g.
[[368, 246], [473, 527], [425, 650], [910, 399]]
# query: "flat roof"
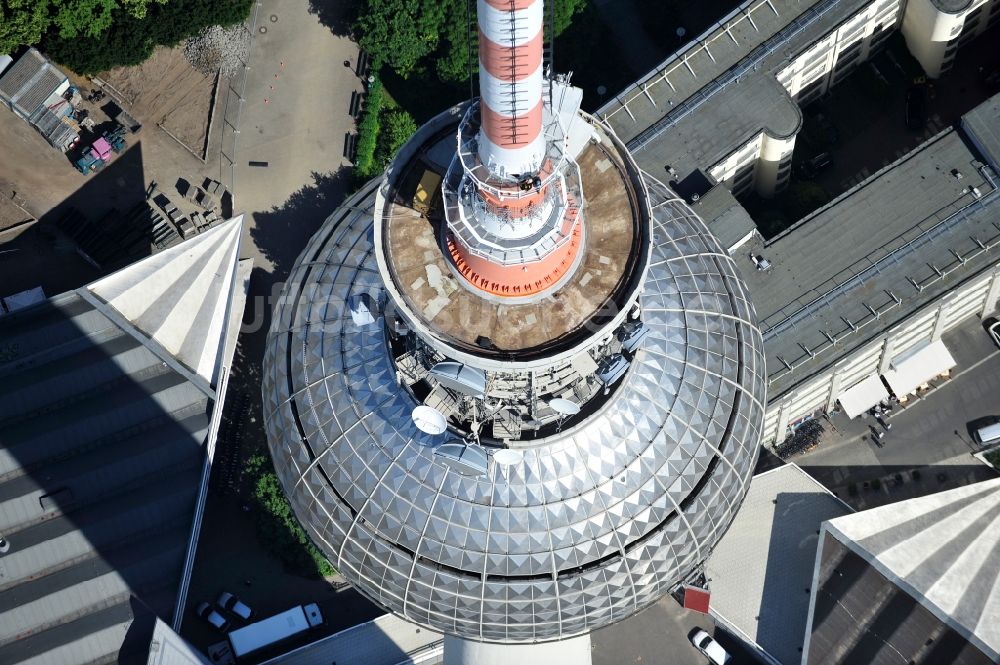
[[759, 569], [720, 90], [944, 550], [982, 124], [868, 259], [387, 640], [871, 257], [726, 218], [102, 448]]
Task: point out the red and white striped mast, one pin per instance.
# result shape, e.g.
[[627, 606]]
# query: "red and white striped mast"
[[510, 81], [513, 196]]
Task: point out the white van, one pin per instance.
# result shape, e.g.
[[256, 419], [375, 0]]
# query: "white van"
[[987, 434]]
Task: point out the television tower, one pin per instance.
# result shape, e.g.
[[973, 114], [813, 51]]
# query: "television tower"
[[514, 389]]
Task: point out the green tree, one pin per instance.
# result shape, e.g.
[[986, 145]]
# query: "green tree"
[[399, 33], [564, 12], [88, 18], [277, 527], [402, 34], [22, 22], [396, 127], [368, 131], [131, 38]]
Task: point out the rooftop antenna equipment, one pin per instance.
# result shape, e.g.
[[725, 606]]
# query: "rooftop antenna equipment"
[[429, 420]]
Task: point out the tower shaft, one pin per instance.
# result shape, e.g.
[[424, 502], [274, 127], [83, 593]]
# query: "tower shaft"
[[510, 73]]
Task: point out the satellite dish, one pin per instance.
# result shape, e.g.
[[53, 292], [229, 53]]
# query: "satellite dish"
[[507, 457], [564, 406], [429, 420]]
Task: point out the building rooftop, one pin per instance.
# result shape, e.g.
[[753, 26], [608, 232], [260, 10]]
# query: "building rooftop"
[[873, 256], [613, 240], [726, 218], [943, 550], [982, 126], [105, 430], [387, 640], [758, 570], [30, 82], [719, 91], [867, 260]]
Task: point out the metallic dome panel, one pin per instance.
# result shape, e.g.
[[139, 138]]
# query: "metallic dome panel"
[[590, 525]]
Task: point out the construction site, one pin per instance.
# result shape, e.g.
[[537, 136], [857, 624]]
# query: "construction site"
[[105, 170]]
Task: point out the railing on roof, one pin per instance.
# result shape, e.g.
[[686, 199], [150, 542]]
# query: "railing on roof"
[[929, 236], [747, 64]]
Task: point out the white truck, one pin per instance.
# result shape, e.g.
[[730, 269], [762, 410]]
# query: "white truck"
[[272, 630]]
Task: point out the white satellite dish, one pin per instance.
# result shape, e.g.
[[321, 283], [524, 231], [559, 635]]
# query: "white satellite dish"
[[564, 406], [429, 420], [508, 457]]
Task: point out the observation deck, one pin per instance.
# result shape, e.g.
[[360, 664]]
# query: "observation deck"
[[602, 282]]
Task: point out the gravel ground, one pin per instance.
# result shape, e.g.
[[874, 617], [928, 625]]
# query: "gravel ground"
[[219, 48]]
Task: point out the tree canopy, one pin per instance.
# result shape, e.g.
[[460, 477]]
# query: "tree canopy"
[[24, 22], [93, 35], [130, 38], [404, 34]]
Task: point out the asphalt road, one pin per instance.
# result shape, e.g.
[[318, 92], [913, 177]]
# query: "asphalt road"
[[659, 635], [930, 437]]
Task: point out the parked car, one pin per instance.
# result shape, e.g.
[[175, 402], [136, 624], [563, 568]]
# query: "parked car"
[[916, 107], [206, 612], [992, 326], [704, 643], [231, 603], [812, 167], [985, 430]]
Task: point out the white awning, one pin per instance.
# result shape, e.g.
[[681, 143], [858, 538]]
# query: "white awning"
[[863, 395], [919, 368]]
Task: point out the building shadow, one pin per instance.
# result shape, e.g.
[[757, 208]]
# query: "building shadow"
[[95, 230], [279, 235], [863, 487], [862, 617], [337, 15], [101, 458]]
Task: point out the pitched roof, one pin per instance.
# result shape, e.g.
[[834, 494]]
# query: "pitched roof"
[[944, 550], [180, 296], [103, 440], [761, 565]]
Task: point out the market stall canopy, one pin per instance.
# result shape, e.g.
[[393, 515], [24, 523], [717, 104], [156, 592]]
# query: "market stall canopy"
[[863, 395], [919, 368]]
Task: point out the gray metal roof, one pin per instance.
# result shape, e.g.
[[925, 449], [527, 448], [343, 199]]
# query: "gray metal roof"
[[726, 218], [719, 91], [387, 640], [102, 435], [760, 567], [852, 269], [982, 126], [30, 82], [944, 550], [589, 525]]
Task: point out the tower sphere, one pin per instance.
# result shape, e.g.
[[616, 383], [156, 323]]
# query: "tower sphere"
[[584, 355]]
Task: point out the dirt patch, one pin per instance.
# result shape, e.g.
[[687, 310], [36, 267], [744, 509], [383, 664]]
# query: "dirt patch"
[[13, 207], [167, 91]]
